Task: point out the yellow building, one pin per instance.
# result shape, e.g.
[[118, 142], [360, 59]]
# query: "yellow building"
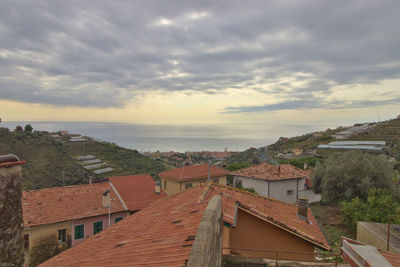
[[176, 180]]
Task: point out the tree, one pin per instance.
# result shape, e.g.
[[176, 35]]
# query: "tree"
[[18, 129], [350, 175], [45, 249], [376, 208], [28, 128]]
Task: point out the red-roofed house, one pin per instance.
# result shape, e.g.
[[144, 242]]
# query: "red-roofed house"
[[162, 234], [283, 182], [176, 180], [71, 214], [137, 191]]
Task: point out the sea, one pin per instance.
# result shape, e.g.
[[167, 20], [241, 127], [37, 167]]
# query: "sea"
[[179, 138]]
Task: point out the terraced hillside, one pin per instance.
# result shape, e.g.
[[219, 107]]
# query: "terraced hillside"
[[387, 131], [53, 162]]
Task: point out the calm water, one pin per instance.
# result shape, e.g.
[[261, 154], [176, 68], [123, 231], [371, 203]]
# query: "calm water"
[[176, 138]]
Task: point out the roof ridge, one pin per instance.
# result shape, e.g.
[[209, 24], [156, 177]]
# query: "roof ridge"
[[68, 186]]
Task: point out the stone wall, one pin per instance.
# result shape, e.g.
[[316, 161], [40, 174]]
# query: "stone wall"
[[207, 246], [11, 224]]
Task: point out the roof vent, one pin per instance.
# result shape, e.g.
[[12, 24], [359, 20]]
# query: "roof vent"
[[302, 210]]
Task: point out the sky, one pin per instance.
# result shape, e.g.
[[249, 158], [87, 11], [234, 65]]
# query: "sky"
[[200, 62]]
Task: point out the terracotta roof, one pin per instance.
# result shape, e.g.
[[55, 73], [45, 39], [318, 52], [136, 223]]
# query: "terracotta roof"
[[194, 172], [13, 163], [267, 171], [274, 211], [58, 204], [393, 258], [162, 234], [137, 191]]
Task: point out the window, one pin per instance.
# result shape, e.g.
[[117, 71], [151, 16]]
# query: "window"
[[290, 192], [97, 227], [79, 231], [62, 235], [26, 241], [215, 181], [117, 219], [188, 186], [165, 184]]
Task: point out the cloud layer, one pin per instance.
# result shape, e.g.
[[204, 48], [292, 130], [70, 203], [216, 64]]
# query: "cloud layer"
[[107, 53]]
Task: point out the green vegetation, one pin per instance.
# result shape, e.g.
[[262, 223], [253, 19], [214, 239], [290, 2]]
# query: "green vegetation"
[[299, 163], [28, 128], [45, 249], [348, 175], [52, 163], [376, 208], [237, 166]]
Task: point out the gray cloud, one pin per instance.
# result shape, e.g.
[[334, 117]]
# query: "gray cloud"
[[82, 53], [310, 103]]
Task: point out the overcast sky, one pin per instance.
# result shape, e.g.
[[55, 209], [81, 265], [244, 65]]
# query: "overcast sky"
[[200, 61]]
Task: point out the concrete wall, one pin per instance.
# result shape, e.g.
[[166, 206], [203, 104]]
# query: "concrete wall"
[[11, 224], [278, 189], [207, 246], [254, 233], [88, 225], [174, 187], [375, 234]]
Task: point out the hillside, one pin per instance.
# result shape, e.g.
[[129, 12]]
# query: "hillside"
[[53, 163], [388, 131]]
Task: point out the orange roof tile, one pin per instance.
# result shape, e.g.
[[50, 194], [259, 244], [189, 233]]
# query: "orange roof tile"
[[393, 258], [162, 234], [194, 172], [279, 213], [137, 191], [58, 204], [267, 171]]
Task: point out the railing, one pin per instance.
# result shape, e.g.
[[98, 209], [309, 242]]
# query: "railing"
[[278, 253]]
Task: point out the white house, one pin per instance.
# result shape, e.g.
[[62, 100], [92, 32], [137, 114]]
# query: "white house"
[[284, 182]]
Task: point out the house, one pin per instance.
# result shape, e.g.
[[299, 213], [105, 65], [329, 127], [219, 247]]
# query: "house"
[[162, 234], [137, 191], [283, 182], [297, 151], [176, 180], [71, 214], [359, 254], [165, 232]]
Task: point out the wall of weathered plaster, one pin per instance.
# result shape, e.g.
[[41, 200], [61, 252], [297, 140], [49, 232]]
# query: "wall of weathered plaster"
[[207, 246], [11, 242]]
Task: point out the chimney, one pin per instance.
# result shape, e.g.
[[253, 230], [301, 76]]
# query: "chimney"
[[302, 210], [11, 223], [106, 198], [305, 166], [158, 187]]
